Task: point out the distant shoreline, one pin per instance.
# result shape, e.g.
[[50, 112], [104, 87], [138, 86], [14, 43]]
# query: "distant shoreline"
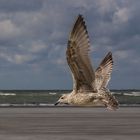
[[60, 106]]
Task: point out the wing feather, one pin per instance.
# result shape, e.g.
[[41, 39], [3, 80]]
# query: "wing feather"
[[103, 72], [78, 59]]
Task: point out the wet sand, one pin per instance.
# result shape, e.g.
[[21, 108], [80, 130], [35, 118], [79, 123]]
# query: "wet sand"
[[69, 123]]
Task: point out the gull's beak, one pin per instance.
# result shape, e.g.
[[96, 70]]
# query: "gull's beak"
[[57, 103]]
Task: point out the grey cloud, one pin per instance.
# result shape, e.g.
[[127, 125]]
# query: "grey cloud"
[[33, 39], [19, 5]]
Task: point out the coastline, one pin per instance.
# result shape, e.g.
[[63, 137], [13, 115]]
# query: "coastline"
[[58, 106]]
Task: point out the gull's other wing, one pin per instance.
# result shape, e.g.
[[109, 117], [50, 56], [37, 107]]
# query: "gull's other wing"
[[103, 72], [78, 59]]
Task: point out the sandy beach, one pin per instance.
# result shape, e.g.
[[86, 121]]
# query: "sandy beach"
[[69, 123]]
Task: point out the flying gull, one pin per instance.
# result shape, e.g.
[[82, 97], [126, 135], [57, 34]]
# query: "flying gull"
[[89, 86]]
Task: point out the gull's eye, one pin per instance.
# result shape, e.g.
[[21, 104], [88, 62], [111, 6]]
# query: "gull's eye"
[[62, 97]]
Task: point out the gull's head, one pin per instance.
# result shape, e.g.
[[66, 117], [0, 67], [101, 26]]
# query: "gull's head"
[[62, 100]]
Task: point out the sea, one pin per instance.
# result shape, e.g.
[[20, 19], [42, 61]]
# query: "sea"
[[46, 98]]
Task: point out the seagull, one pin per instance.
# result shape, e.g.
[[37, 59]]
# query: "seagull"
[[89, 86]]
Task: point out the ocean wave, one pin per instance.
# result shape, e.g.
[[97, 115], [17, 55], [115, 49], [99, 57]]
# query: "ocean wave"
[[7, 94], [52, 93], [136, 93], [132, 94], [118, 93]]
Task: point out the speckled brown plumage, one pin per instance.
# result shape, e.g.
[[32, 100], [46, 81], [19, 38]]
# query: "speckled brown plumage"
[[89, 86]]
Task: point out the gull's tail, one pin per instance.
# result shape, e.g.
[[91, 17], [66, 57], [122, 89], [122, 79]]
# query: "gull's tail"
[[109, 100]]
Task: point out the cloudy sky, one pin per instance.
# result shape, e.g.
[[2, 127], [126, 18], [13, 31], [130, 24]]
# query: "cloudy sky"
[[34, 33]]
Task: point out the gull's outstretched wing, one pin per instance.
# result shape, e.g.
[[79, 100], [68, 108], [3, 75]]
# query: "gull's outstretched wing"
[[77, 57], [103, 72]]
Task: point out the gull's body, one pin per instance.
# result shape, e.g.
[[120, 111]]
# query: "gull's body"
[[89, 86]]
